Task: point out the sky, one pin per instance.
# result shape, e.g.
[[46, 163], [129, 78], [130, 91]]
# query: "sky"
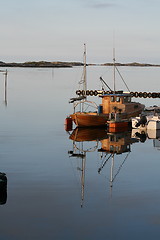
[[55, 30]]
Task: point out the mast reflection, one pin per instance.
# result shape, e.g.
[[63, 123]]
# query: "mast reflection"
[[108, 144]]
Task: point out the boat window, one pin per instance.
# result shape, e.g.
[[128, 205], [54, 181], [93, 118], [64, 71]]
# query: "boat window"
[[111, 148], [112, 98], [112, 138], [127, 99], [116, 138], [117, 149], [117, 99]]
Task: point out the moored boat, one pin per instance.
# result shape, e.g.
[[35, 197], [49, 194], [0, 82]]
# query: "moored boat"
[[146, 122], [111, 103]]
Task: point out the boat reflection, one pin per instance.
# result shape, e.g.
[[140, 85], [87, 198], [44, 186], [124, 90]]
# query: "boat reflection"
[[3, 188], [108, 144], [143, 134]]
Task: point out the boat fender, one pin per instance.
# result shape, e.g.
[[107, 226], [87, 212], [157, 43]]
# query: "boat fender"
[[68, 124]]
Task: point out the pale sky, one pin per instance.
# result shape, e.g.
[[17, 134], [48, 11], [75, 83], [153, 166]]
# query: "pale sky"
[[53, 30]]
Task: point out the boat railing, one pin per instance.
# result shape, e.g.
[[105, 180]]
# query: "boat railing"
[[84, 105]]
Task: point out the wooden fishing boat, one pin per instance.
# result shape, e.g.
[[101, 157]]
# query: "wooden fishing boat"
[[112, 102]]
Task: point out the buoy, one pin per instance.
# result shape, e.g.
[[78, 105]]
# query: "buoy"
[[140, 94], [149, 94], [87, 92], [78, 92], [95, 93], [145, 95], [136, 94], [154, 95], [68, 124], [91, 92]]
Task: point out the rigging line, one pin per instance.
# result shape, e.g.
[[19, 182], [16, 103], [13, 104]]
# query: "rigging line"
[[102, 80], [87, 106], [104, 73], [122, 78], [121, 166], [99, 170], [75, 176], [76, 82]]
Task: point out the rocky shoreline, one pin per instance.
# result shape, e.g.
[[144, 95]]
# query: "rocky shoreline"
[[44, 64]]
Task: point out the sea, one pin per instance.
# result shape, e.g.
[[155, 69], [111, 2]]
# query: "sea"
[[75, 185]]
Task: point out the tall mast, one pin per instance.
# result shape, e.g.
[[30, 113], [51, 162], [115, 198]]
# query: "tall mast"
[[84, 79], [84, 71], [114, 71]]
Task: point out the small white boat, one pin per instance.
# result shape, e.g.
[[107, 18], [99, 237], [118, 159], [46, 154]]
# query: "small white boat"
[[146, 122]]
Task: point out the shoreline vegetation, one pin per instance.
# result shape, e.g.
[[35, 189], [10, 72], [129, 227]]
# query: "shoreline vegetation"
[[45, 64]]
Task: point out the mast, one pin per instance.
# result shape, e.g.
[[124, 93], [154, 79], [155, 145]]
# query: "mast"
[[114, 71], [84, 80], [84, 71]]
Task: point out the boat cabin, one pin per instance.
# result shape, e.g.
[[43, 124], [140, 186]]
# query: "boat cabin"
[[117, 103]]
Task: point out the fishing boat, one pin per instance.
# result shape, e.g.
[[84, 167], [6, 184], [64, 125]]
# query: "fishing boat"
[[146, 122], [112, 102]]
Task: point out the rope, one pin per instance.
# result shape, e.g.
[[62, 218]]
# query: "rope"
[[122, 78], [121, 166]]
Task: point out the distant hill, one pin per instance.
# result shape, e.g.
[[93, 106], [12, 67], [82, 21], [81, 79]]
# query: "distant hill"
[[134, 64], [41, 64], [44, 64]]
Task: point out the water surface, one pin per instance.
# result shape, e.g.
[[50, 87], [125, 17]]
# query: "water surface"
[[44, 188]]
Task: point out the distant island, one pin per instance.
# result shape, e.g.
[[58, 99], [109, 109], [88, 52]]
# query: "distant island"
[[45, 64]]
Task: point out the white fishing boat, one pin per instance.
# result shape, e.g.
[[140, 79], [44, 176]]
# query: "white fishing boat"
[[150, 122]]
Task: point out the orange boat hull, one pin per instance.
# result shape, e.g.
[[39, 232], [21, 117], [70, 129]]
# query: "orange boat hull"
[[94, 119], [89, 119]]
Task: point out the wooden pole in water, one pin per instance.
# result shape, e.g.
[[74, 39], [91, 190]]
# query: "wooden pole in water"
[[5, 87]]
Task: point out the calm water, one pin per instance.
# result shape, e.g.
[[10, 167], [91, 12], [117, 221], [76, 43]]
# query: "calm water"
[[44, 187]]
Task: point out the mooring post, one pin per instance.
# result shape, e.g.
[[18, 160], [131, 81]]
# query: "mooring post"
[[5, 87]]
